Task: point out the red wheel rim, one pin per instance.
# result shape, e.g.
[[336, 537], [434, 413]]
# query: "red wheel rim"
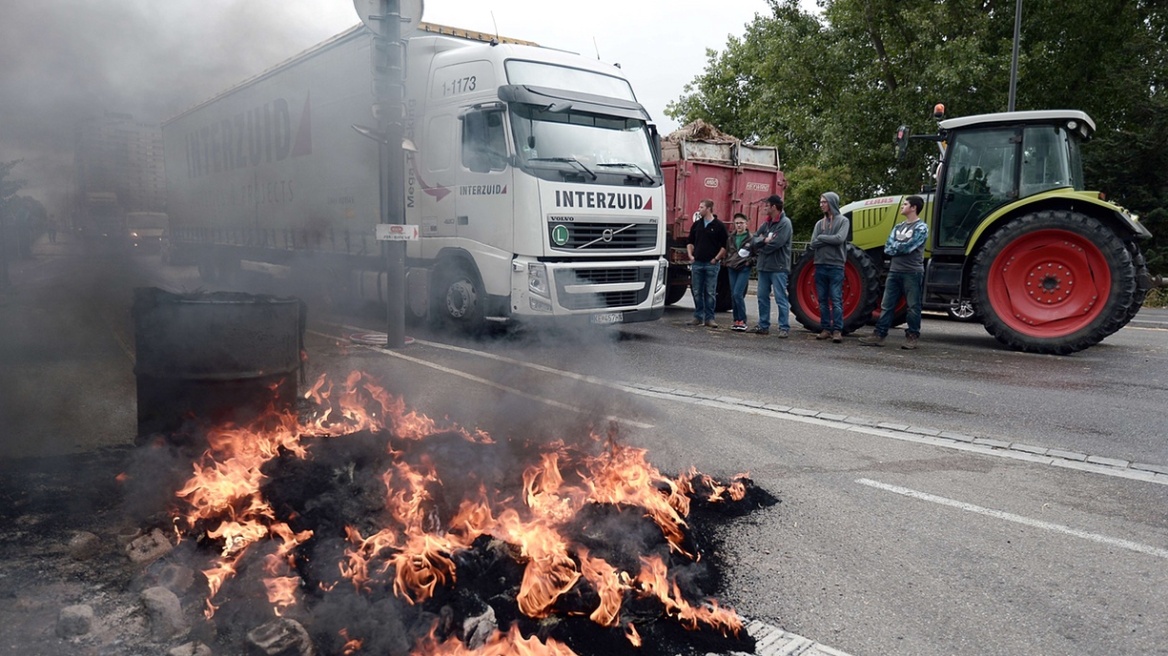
[[808, 299], [1049, 283]]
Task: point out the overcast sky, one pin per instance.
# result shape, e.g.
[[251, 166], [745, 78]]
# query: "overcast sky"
[[154, 58]]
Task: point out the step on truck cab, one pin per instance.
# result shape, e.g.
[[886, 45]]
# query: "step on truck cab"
[[532, 174]]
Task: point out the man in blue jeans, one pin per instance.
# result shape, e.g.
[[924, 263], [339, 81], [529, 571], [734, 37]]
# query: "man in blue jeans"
[[829, 241], [906, 273], [773, 246], [706, 247]]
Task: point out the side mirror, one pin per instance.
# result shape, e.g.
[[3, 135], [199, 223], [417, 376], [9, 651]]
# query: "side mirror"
[[902, 137]]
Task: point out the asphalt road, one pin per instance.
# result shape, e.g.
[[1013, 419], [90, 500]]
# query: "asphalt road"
[[910, 520]]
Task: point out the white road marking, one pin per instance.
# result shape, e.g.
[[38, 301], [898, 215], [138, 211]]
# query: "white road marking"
[[1018, 519], [809, 417], [482, 381]]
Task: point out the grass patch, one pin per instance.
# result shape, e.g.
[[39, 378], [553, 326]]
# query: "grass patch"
[[1157, 297]]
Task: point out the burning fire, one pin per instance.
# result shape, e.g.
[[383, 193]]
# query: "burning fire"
[[432, 513]]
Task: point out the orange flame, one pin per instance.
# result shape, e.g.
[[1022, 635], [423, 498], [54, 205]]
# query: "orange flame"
[[511, 643], [419, 543]]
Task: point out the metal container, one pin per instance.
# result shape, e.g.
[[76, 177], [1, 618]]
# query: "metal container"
[[214, 357]]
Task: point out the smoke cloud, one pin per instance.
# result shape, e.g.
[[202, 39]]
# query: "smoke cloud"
[[66, 59]]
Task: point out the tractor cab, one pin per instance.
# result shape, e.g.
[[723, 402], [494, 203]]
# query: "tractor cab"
[[991, 160]]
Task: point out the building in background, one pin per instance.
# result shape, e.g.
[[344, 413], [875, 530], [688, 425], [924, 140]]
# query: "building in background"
[[119, 170]]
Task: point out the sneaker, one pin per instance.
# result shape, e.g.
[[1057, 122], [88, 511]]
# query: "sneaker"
[[760, 331], [910, 342], [873, 340], [784, 334], [823, 334], [739, 326], [711, 324], [694, 322], [837, 336]]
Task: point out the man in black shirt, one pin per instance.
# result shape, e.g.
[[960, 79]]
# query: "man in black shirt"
[[707, 248]]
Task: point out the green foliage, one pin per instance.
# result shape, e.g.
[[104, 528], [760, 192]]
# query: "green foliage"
[[829, 91]]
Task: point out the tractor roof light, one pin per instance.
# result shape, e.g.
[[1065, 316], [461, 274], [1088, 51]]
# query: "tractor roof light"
[[939, 111]]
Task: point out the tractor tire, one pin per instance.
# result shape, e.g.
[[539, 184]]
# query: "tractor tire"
[[673, 293], [862, 290], [1053, 282], [1143, 283], [723, 301], [458, 299]]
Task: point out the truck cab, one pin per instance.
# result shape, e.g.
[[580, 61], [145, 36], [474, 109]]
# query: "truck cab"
[[536, 185]]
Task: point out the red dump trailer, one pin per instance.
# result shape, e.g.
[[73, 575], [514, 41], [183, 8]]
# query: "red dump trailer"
[[738, 177]]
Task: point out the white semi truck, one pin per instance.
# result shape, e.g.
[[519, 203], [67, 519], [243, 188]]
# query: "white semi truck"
[[532, 174]]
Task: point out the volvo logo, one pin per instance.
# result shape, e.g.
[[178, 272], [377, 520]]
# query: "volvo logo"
[[606, 236]]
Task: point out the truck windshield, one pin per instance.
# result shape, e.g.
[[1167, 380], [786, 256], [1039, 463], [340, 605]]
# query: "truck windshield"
[[556, 145]]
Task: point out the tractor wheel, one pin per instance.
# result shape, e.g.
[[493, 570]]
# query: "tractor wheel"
[[458, 298], [1053, 282], [1143, 283], [723, 301], [673, 293], [862, 290]]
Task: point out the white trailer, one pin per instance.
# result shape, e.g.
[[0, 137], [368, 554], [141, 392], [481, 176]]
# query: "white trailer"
[[533, 176]]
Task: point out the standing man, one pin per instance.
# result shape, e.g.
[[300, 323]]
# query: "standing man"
[[773, 245], [906, 274], [739, 258], [707, 248], [829, 240]]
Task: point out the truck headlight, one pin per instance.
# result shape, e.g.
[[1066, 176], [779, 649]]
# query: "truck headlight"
[[537, 280], [662, 272]]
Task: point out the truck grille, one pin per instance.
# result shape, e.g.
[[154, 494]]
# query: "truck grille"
[[600, 300], [602, 236]]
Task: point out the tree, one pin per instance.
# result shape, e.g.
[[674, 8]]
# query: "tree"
[[8, 189], [829, 91]]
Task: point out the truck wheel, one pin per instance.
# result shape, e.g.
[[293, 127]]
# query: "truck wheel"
[[862, 290], [673, 293], [458, 298], [208, 271], [723, 301], [1053, 282]]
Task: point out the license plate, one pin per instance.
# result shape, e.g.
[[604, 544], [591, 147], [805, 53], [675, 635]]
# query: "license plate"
[[607, 318]]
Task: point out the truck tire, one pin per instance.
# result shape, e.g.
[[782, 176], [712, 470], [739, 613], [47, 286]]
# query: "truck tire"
[[674, 292], [1053, 281], [723, 301], [862, 290], [458, 299]]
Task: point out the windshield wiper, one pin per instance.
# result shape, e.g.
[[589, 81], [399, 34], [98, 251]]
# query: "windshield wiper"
[[564, 160], [648, 178]]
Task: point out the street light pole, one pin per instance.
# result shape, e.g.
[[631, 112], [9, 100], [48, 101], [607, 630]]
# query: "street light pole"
[[389, 84], [1014, 56]]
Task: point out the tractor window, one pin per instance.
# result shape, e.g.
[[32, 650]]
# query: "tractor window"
[[1047, 160], [979, 176]]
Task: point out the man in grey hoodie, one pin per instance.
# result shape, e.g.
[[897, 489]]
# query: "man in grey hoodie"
[[829, 240], [773, 245]]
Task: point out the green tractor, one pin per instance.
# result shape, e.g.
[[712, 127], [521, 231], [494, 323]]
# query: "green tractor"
[[1014, 238]]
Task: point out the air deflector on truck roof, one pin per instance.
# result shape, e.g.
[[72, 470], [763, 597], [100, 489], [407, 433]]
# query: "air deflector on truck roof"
[[582, 102]]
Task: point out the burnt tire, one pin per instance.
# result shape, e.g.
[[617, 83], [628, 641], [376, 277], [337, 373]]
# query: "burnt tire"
[[1053, 282], [458, 298], [862, 290]]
